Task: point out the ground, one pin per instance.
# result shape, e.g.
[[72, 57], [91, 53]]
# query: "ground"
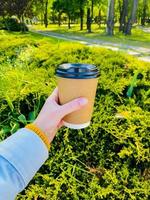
[[133, 45]]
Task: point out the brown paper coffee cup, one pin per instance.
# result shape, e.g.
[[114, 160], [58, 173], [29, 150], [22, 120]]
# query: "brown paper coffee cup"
[[72, 88]]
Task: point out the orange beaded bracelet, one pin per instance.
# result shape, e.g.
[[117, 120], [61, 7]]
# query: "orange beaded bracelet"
[[40, 133]]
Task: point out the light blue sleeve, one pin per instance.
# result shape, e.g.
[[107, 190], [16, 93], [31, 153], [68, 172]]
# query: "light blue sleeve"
[[21, 156]]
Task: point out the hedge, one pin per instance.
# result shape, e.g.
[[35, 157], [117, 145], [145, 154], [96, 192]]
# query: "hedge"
[[108, 160]]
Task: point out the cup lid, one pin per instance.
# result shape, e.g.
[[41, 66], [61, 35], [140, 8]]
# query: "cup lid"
[[77, 71]]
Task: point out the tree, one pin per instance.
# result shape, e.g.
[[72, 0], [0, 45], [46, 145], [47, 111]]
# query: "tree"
[[144, 12], [81, 5], [94, 3], [2, 10], [69, 7], [132, 18], [90, 11], [123, 15], [58, 7], [65, 6], [18, 8], [81, 17], [101, 6], [41, 10], [92, 8], [38, 10], [88, 20], [45, 14], [110, 17], [15, 7]]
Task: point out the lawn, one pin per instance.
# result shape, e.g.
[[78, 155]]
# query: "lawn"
[[108, 160], [138, 37], [6, 35]]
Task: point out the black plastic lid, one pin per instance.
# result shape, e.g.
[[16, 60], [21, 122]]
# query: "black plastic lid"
[[77, 71]]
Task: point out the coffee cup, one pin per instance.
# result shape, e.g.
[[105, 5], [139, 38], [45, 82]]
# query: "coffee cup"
[[77, 80]]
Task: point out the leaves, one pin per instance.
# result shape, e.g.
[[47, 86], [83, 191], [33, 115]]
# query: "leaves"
[[22, 119], [108, 160]]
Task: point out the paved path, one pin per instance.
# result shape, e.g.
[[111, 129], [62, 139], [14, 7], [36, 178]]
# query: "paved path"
[[140, 52], [147, 30]]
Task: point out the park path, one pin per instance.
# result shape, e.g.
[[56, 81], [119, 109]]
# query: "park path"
[[147, 30], [140, 52]]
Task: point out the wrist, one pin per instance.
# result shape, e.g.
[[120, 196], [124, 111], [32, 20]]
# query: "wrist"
[[42, 128], [34, 127]]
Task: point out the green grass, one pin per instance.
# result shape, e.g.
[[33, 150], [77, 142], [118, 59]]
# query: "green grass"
[[138, 37], [5, 35], [108, 160]]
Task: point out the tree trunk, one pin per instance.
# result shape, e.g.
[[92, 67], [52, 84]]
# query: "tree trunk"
[[99, 18], [42, 19], [92, 8], [69, 21], [53, 17], [88, 20], [123, 15], [81, 18], [110, 17], [45, 14], [22, 18], [120, 8], [59, 18], [22, 21], [132, 18], [143, 18]]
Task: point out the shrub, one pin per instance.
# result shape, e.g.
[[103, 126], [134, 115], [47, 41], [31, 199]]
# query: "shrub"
[[108, 160], [12, 24], [2, 26]]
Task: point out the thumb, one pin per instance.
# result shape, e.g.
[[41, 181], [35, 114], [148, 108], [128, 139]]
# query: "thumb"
[[73, 105]]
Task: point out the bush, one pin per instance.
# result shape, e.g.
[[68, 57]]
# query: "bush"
[[108, 160], [2, 26], [12, 24]]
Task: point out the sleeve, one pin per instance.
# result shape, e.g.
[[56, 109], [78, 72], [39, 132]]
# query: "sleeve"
[[21, 156]]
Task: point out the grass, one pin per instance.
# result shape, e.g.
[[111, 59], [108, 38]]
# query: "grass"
[[109, 159], [138, 37], [6, 35]]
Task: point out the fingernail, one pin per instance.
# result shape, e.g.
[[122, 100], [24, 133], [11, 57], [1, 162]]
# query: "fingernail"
[[83, 101]]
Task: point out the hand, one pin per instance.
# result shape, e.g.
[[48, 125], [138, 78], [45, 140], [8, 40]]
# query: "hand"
[[50, 117]]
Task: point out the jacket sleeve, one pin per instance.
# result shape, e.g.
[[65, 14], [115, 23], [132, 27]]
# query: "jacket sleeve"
[[21, 156]]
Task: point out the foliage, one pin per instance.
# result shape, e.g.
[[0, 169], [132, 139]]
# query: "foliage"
[[12, 24], [108, 160], [122, 12], [17, 7]]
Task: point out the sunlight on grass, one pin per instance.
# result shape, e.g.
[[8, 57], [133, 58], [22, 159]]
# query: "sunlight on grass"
[[138, 37], [29, 35]]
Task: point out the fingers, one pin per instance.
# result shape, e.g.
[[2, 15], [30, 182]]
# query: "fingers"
[[54, 95], [73, 105]]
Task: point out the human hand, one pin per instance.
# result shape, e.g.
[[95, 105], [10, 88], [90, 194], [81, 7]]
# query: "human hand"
[[50, 117]]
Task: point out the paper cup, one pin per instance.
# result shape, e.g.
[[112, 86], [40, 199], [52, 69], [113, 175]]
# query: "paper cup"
[[77, 80]]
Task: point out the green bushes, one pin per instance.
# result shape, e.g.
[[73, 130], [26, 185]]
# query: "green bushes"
[[108, 160], [12, 24]]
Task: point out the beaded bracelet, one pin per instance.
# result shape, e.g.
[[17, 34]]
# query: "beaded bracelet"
[[40, 133]]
